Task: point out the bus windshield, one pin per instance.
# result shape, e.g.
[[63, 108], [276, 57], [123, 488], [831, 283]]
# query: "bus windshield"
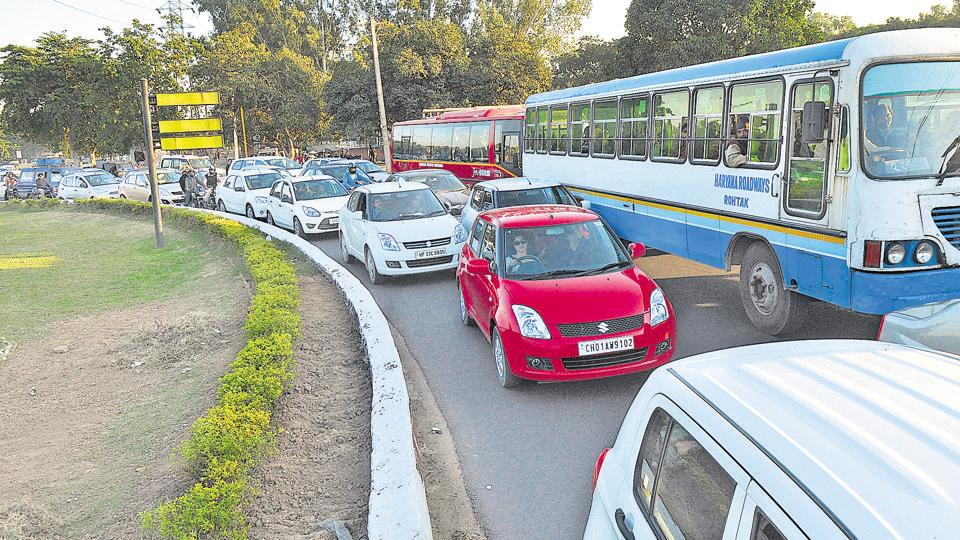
[[911, 120]]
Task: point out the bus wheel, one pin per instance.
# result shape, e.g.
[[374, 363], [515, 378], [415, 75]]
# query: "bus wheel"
[[769, 305]]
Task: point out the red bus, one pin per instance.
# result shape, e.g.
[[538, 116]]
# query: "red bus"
[[480, 143]]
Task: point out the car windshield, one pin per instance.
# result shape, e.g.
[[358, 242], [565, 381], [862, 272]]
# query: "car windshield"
[[406, 204], [310, 190], [262, 181], [168, 177], [336, 172], [558, 251], [438, 181], [368, 167], [101, 179], [544, 195], [911, 119], [285, 163], [200, 163]]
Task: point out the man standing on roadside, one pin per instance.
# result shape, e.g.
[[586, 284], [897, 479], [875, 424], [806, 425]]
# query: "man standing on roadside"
[[188, 184]]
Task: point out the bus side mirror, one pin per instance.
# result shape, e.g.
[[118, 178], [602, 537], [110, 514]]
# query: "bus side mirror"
[[813, 122]]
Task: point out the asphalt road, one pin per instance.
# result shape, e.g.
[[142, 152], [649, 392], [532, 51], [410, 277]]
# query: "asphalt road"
[[528, 454]]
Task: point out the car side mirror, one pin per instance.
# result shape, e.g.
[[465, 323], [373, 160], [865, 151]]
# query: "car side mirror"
[[84, 185], [637, 250], [582, 203], [479, 266], [358, 214], [286, 199], [455, 211], [239, 188], [813, 122]]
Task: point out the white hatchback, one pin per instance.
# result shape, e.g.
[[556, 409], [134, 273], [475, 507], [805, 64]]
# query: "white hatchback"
[[784, 441], [135, 186], [247, 192], [89, 184], [399, 228], [306, 204]]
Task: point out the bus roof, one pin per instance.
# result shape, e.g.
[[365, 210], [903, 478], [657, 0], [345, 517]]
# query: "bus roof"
[[513, 112]]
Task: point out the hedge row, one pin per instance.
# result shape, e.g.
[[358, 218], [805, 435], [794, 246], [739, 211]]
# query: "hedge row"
[[227, 442]]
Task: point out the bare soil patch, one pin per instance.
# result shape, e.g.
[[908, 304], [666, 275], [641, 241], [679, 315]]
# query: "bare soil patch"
[[90, 415], [321, 470]]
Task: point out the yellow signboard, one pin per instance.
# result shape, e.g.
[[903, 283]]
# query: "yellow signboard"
[[191, 143], [184, 126], [188, 98]]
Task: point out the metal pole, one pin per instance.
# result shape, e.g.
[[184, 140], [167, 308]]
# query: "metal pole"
[[384, 134], [243, 128], [151, 165]]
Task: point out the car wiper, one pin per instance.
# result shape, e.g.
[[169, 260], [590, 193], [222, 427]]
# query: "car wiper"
[[948, 154], [556, 273], [602, 269], [410, 216]]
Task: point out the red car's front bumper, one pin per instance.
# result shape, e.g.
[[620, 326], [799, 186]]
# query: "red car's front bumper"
[[566, 364]]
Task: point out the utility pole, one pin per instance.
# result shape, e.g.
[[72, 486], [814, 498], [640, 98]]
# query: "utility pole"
[[151, 165], [243, 128], [384, 134]]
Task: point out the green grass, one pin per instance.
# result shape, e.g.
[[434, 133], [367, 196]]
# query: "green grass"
[[103, 262]]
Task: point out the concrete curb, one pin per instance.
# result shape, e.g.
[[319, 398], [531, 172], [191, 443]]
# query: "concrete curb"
[[398, 500]]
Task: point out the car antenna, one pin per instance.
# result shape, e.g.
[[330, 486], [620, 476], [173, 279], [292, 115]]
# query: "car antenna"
[[529, 182]]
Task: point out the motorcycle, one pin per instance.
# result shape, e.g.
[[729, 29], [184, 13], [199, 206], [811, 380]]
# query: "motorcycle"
[[43, 193], [203, 198]]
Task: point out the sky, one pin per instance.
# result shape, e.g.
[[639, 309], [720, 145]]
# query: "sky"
[[24, 20]]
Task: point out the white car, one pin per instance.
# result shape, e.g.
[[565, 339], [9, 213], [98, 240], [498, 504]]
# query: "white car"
[[932, 326], [507, 192], [265, 162], [399, 228], [247, 192], [201, 164], [372, 169], [807, 440], [306, 204], [135, 186], [89, 184]]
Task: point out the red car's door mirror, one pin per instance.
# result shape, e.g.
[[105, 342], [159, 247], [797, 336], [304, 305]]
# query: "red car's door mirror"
[[637, 250], [478, 266]]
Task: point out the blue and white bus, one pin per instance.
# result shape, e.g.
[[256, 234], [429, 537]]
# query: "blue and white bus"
[[828, 171]]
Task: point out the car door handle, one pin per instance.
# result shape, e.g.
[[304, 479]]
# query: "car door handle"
[[621, 520]]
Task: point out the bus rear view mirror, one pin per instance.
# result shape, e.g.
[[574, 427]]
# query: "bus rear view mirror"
[[813, 123]]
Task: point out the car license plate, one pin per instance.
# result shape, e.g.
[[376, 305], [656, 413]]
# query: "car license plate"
[[600, 346], [334, 221], [430, 253]]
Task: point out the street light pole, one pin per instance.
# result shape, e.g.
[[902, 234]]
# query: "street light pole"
[[384, 134], [151, 166]]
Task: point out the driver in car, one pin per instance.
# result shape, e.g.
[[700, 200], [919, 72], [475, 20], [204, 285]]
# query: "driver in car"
[[520, 254]]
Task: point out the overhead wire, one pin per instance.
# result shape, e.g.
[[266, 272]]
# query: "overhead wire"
[[92, 14]]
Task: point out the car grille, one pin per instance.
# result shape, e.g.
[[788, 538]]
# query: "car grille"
[[604, 360], [948, 221], [429, 262], [612, 326], [423, 243]]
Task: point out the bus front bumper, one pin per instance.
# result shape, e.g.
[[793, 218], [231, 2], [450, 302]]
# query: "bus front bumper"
[[878, 293]]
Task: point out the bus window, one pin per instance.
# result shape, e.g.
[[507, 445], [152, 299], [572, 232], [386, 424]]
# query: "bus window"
[[542, 117], [707, 121], [530, 134], [805, 176], [480, 142], [579, 129], [460, 147], [558, 130], [402, 140], [420, 143], [670, 119], [754, 122], [633, 127], [604, 127], [843, 155], [442, 135]]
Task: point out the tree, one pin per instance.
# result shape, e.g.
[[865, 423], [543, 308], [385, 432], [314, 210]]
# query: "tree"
[[593, 60], [827, 26]]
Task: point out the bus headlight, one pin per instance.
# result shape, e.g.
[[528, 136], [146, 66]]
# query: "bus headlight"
[[895, 253], [924, 252]]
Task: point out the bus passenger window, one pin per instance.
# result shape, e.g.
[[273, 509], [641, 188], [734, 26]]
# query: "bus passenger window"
[[707, 120], [604, 127], [670, 118], [480, 142], [440, 140], [580, 129], [843, 155], [530, 131], [460, 148], [420, 143], [633, 127], [558, 130], [753, 127], [542, 117]]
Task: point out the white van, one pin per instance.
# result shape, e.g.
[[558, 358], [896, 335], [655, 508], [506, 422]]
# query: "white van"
[[803, 440]]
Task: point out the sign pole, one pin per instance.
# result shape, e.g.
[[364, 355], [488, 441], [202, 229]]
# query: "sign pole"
[[151, 166]]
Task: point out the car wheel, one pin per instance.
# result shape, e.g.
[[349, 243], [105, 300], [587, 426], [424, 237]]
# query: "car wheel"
[[122, 196], [344, 254], [250, 213], [506, 377], [221, 207], [298, 229], [464, 316], [270, 219], [769, 305], [372, 273]]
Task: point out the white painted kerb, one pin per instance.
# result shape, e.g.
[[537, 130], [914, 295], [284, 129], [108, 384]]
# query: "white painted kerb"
[[398, 503]]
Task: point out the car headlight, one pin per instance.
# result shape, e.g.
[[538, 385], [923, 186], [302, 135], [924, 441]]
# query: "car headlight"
[[895, 253], [260, 200], [924, 253], [459, 234], [658, 307], [388, 243], [531, 324], [310, 212]]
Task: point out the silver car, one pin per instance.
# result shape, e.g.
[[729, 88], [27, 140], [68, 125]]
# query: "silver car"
[[135, 186], [931, 326]]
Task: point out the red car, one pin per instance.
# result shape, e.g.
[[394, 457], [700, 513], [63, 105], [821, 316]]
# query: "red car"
[[560, 299]]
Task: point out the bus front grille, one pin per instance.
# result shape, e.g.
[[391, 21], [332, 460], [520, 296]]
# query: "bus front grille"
[[947, 219]]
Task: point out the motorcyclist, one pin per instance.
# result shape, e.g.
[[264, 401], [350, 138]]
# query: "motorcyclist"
[[354, 178], [43, 186], [9, 184]]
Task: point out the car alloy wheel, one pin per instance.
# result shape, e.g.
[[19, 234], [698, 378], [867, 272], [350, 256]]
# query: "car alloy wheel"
[[343, 250], [464, 316], [505, 377], [297, 229], [372, 269], [270, 219], [250, 213], [221, 207]]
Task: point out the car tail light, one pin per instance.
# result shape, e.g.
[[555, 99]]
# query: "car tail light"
[[871, 253], [599, 464]]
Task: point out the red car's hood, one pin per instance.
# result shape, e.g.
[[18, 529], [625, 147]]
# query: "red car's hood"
[[584, 299]]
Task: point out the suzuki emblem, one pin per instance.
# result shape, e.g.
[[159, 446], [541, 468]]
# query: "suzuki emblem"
[[602, 327], [428, 243]]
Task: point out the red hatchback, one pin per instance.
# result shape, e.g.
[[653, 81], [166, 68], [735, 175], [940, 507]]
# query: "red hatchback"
[[559, 297]]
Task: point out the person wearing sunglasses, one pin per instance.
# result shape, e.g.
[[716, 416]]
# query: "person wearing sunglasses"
[[521, 255]]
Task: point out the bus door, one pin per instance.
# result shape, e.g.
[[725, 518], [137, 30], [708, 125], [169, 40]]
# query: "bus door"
[[507, 145]]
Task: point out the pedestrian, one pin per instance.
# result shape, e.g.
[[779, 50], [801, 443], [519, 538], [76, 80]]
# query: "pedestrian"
[[188, 184]]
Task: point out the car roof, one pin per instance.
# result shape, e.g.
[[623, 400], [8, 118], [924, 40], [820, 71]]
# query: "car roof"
[[424, 172], [870, 430], [538, 215], [516, 184], [256, 170], [393, 187], [296, 179]]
